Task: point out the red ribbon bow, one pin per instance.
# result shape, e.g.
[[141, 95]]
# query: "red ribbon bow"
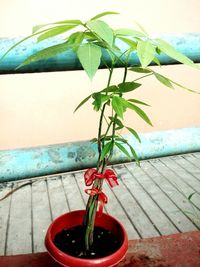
[[92, 174], [102, 198]]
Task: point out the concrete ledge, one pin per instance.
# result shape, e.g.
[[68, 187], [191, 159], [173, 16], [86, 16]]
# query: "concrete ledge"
[[45, 160], [166, 251]]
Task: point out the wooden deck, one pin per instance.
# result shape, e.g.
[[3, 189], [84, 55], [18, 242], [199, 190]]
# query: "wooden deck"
[[152, 200]]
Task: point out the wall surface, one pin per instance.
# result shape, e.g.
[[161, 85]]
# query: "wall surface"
[[37, 109]]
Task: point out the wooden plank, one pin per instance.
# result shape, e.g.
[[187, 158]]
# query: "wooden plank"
[[157, 216], [4, 215], [183, 174], [194, 159], [149, 178], [196, 155], [181, 187], [186, 171], [19, 238], [41, 214], [115, 209], [79, 176], [73, 195], [155, 171], [57, 198], [135, 213], [190, 164]]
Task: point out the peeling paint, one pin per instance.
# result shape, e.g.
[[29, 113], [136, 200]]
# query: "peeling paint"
[[84, 153], [55, 156]]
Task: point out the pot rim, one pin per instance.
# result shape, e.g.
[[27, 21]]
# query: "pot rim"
[[50, 245]]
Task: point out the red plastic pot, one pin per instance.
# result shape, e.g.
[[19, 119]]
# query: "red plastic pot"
[[75, 218]]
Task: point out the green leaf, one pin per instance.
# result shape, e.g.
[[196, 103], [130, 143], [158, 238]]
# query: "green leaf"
[[146, 52], [156, 60], [128, 86], [106, 149], [55, 31], [173, 53], [102, 30], [138, 102], [135, 156], [104, 14], [129, 32], [168, 82], [69, 21], [110, 89], [123, 149], [190, 196], [99, 99], [138, 110], [141, 113], [117, 122], [131, 43], [118, 106], [82, 102], [183, 87], [46, 53], [74, 22], [164, 80], [140, 70], [89, 56], [38, 27], [76, 38], [134, 133]]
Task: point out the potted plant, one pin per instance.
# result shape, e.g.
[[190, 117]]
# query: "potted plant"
[[96, 44]]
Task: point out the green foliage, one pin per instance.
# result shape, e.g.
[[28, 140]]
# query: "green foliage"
[[128, 86], [104, 14], [129, 32], [46, 53], [65, 22], [55, 31], [164, 80], [140, 70], [118, 106], [173, 53], [102, 30], [134, 133], [146, 53], [90, 58], [106, 149]]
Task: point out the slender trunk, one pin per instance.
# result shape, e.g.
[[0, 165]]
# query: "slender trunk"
[[92, 203]]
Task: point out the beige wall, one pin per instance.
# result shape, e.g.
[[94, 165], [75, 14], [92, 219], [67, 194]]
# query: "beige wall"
[[37, 109]]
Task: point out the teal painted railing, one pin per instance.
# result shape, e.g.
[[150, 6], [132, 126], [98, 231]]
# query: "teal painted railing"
[[188, 44], [38, 161]]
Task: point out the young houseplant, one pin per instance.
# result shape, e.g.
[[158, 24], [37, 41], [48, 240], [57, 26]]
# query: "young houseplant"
[[96, 44]]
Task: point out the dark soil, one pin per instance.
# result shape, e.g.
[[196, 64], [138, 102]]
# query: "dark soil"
[[71, 241]]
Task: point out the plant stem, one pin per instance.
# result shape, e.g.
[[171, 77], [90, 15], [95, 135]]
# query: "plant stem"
[[92, 203]]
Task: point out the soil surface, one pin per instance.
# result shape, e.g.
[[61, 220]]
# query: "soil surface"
[[71, 241]]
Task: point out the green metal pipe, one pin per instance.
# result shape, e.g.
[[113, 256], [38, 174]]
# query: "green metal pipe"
[[37, 161], [188, 44]]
